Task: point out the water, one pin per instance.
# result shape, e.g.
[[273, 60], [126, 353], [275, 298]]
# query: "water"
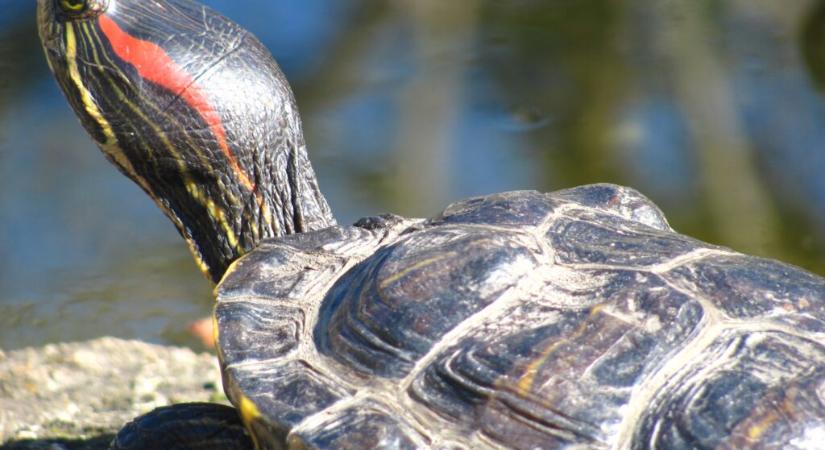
[[713, 109]]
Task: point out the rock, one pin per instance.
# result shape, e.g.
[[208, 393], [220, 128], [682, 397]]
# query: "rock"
[[77, 395]]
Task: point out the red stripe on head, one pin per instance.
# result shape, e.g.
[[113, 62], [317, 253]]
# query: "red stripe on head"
[[154, 64]]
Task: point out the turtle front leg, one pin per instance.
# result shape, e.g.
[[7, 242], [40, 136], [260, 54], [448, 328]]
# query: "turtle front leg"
[[185, 426]]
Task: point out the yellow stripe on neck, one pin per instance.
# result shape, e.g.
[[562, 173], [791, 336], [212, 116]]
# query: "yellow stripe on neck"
[[110, 147], [215, 212]]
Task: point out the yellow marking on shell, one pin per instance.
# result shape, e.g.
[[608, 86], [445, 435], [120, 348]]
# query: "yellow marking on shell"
[[755, 431], [216, 334], [249, 412], [229, 270], [423, 263], [110, 147], [525, 383]]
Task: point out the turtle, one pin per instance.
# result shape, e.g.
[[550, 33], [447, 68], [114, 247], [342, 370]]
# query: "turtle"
[[575, 319]]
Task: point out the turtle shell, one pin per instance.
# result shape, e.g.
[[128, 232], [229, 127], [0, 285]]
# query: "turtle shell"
[[576, 319]]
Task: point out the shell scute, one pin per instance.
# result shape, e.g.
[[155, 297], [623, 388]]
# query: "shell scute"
[[257, 330], [746, 287], [589, 326], [297, 263], [599, 238], [363, 425], [516, 209], [387, 311], [559, 375], [623, 201], [464, 378], [746, 390], [284, 394], [279, 272], [789, 416]]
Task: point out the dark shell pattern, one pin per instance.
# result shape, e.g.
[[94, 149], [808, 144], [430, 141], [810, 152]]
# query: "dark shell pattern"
[[576, 319]]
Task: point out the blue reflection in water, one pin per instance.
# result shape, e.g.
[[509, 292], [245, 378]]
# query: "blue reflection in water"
[[783, 113], [786, 123], [656, 145], [297, 32]]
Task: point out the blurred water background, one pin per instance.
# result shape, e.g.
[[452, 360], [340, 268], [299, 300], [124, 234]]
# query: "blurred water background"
[[714, 109]]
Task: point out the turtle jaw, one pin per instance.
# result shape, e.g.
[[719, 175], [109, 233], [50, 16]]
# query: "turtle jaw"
[[50, 30]]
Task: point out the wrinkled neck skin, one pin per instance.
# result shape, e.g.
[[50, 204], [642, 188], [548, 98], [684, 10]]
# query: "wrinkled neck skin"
[[285, 199], [194, 110], [263, 186], [224, 210]]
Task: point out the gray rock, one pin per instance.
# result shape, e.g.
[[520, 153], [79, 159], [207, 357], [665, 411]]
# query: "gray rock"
[[77, 395]]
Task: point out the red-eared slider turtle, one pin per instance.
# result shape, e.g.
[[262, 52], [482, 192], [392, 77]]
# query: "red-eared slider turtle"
[[576, 319]]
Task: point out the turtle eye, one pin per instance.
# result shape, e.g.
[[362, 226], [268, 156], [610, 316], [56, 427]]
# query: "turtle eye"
[[73, 6]]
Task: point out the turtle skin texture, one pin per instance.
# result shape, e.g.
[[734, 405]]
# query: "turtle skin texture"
[[577, 319]]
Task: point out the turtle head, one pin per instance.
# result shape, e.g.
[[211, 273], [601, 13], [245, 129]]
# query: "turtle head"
[[193, 109]]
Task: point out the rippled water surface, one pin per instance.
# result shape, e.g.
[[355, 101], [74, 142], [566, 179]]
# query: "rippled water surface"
[[713, 109]]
